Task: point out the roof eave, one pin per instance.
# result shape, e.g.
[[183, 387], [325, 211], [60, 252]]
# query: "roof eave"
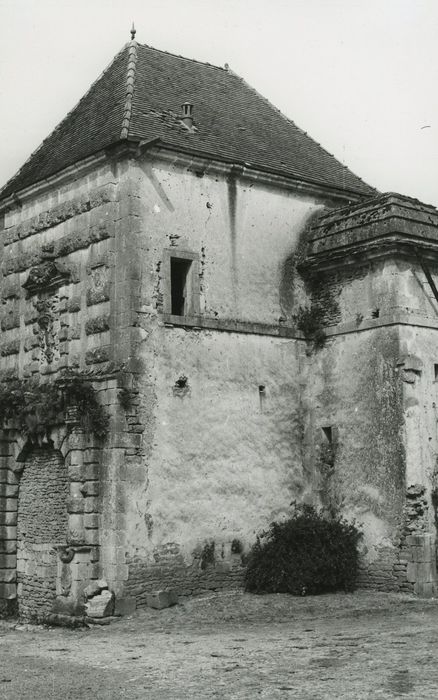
[[135, 146]]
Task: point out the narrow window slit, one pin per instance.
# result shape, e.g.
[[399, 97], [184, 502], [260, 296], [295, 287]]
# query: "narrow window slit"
[[179, 277]]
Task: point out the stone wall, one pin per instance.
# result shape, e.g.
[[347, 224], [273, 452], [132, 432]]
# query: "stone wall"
[[223, 415], [41, 528], [170, 571], [67, 304]]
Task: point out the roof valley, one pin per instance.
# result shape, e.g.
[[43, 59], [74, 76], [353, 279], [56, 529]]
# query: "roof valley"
[[130, 85]]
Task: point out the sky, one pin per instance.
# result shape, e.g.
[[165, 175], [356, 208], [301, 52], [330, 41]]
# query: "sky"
[[360, 76]]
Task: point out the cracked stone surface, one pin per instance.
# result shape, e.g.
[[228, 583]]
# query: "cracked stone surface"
[[234, 645]]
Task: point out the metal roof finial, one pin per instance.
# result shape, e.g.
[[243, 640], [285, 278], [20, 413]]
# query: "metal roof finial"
[[133, 32]]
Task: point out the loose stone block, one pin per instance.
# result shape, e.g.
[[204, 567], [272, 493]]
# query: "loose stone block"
[[101, 605], [92, 589], [125, 606], [161, 599]]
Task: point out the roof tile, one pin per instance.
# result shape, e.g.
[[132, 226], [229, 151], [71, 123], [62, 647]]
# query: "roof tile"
[[233, 122]]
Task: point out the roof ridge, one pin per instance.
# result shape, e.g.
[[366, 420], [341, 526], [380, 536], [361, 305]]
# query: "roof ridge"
[[59, 124], [185, 58], [130, 85], [290, 121]]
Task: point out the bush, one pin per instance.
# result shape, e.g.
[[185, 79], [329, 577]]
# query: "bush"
[[307, 554]]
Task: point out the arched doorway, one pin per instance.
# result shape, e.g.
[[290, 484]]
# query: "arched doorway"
[[41, 527]]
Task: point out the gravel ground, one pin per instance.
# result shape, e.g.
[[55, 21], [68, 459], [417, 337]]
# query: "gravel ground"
[[234, 645]]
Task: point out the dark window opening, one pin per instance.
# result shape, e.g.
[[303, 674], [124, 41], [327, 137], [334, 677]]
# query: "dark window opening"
[[179, 283], [328, 434], [435, 367]]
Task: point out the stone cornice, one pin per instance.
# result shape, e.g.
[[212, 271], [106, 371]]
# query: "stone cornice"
[[389, 246], [386, 226], [203, 163], [69, 174], [198, 323]]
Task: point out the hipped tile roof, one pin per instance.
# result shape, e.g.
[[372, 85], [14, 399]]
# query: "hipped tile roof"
[[139, 96]]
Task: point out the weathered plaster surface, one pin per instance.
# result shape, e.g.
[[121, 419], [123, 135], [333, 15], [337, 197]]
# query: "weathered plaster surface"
[[221, 455], [225, 459], [244, 234]]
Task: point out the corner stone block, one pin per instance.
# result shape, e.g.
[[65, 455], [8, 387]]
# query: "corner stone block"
[[8, 518], [76, 489], [161, 599], [7, 575], [425, 590], [91, 471], [75, 505], [10, 490], [8, 532], [8, 504], [76, 443], [76, 454], [425, 573], [91, 505], [95, 554], [8, 591], [415, 540], [91, 520], [80, 571], [92, 536], [91, 455], [74, 472], [8, 561], [91, 488], [411, 573], [8, 546], [76, 532]]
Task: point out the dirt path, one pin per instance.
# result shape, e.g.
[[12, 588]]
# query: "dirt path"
[[234, 646]]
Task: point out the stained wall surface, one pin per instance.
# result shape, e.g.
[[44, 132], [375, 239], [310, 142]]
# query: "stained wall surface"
[[220, 400]]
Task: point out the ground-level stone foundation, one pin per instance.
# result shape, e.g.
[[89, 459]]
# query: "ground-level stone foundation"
[[145, 578], [408, 564]]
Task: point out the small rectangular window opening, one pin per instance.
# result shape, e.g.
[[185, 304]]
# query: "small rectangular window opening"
[[435, 368], [328, 434], [180, 286]]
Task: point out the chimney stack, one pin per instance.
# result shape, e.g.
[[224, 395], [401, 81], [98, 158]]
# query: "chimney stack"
[[187, 114]]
